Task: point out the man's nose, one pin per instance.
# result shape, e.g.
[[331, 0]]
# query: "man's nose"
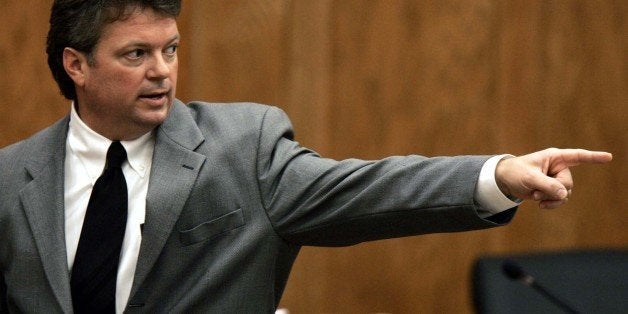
[[160, 68]]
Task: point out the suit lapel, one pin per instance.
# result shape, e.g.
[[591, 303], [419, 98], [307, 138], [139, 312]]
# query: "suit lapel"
[[44, 208], [174, 170]]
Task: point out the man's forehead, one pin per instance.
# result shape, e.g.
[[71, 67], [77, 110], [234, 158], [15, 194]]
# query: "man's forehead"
[[141, 24]]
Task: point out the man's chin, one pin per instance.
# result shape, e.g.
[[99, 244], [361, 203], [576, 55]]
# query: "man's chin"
[[153, 117]]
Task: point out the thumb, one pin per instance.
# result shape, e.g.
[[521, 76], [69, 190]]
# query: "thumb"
[[545, 187]]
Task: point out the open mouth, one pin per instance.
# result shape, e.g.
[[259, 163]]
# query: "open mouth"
[[154, 96]]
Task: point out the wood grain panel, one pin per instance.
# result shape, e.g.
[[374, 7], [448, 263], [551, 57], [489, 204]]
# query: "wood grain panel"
[[372, 78], [29, 97]]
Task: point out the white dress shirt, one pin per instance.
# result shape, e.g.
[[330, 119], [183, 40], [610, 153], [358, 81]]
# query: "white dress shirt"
[[85, 159], [487, 193]]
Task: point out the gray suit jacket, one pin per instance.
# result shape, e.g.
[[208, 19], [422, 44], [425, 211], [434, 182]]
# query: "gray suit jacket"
[[232, 198]]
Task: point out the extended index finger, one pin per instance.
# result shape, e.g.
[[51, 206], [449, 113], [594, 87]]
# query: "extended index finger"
[[574, 157]]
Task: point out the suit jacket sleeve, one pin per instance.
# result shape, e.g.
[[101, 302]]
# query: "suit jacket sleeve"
[[3, 293], [316, 201]]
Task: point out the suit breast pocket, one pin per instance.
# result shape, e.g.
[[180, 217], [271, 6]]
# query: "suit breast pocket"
[[212, 228]]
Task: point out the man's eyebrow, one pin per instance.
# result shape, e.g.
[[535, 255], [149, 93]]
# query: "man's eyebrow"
[[139, 43], [175, 38]]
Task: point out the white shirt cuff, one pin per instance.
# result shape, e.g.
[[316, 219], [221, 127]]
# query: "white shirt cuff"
[[487, 194]]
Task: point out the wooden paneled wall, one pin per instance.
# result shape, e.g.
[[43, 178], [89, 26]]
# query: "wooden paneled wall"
[[366, 78]]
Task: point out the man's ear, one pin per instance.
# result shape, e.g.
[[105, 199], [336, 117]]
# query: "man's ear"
[[75, 64]]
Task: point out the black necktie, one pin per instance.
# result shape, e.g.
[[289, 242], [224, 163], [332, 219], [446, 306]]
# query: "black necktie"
[[95, 267]]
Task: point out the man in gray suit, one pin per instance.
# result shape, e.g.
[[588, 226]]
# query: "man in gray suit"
[[220, 197]]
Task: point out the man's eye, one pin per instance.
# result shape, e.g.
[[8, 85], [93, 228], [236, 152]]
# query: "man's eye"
[[171, 50], [136, 54]]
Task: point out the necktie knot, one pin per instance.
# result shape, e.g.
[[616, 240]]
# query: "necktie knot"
[[116, 155]]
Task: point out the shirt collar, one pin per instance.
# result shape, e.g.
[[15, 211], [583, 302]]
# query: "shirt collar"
[[91, 148]]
